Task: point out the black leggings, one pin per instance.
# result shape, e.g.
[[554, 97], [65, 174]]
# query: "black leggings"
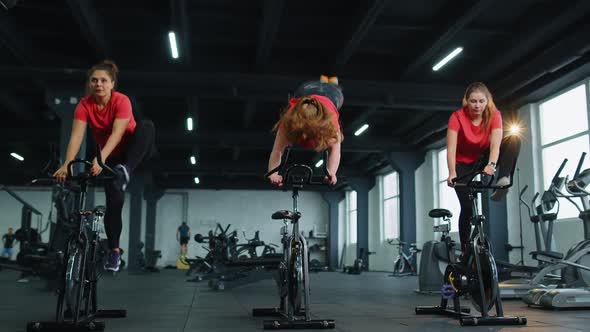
[[509, 150], [140, 148]]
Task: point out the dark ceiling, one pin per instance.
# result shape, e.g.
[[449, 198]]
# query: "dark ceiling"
[[240, 60]]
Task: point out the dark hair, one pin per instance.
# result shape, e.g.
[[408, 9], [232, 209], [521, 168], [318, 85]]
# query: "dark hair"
[[490, 107], [107, 65]]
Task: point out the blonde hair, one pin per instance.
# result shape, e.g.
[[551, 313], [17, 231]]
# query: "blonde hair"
[[108, 66], [309, 120], [490, 107]]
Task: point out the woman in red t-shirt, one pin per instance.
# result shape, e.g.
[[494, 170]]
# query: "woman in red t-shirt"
[[124, 144], [311, 120], [474, 140]]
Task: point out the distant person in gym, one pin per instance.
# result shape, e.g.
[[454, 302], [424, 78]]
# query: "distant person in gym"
[[311, 119], [474, 140], [124, 144], [183, 234], [8, 243]]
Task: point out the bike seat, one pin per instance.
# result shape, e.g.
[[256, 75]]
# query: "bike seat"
[[286, 214], [544, 217], [440, 213]]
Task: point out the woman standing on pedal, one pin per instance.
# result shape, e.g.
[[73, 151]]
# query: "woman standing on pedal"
[[124, 144], [310, 120], [474, 140]]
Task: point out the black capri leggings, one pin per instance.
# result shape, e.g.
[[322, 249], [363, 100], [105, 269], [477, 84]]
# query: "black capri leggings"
[[140, 148]]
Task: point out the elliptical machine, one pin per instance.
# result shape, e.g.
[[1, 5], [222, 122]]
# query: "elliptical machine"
[[294, 308], [575, 266], [476, 275]]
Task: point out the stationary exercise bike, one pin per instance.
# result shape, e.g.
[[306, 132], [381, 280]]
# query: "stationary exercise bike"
[[475, 275], [403, 265], [77, 293], [294, 310]]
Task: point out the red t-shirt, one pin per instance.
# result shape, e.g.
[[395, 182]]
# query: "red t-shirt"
[[329, 105], [471, 139], [101, 121]]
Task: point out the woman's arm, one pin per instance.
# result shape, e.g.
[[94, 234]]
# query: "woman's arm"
[[76, 137], [495, 142], [119, 127], [333, 160], [277, 150], [451, 155]]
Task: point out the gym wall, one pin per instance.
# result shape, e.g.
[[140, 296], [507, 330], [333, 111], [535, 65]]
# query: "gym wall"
[[40, 199], [245, 210]]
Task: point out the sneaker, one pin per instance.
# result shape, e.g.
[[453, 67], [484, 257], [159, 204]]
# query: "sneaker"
[[113, 261], [498, 194], [122, 178]]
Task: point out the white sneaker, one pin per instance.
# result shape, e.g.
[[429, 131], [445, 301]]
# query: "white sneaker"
[[498, 194], [503, 181]]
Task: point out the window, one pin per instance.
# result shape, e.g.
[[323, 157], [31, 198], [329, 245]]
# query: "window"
[[390, 197], [352, 206], [447, 198], [564, 139]]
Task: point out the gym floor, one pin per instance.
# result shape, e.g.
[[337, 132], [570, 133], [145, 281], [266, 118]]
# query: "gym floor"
[[165, 302]]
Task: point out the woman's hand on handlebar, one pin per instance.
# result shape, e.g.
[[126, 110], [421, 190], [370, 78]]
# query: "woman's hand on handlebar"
[[61, 174], [489, 170], [450, 179], [95, 170], [276, 179], [331, 179]]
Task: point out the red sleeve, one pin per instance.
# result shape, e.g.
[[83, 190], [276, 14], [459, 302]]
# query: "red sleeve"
[[454, 123], [123, 110], [81, 112], [496, 120]]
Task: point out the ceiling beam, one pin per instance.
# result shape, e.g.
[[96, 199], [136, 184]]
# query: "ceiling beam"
[[533, 35], [558, 55], [12, 105], [417, 119], [551, 83], [251, 84], [212, 167], [267, 31], [435, 124], [257, 140], [359, 120], [359, 34], [453, 26], [92, 27], [250, 109]]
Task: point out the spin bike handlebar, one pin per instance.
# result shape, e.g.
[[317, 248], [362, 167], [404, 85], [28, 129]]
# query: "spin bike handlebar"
[[86, 175], [81, 176], [300, 173], [481, 184]]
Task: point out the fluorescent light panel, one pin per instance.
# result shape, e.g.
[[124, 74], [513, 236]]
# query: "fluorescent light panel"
[[447, 58], [197, 181], [17, 156], [193, 160], [361, 129], [319, 163], [173, 46], [189, 123]]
